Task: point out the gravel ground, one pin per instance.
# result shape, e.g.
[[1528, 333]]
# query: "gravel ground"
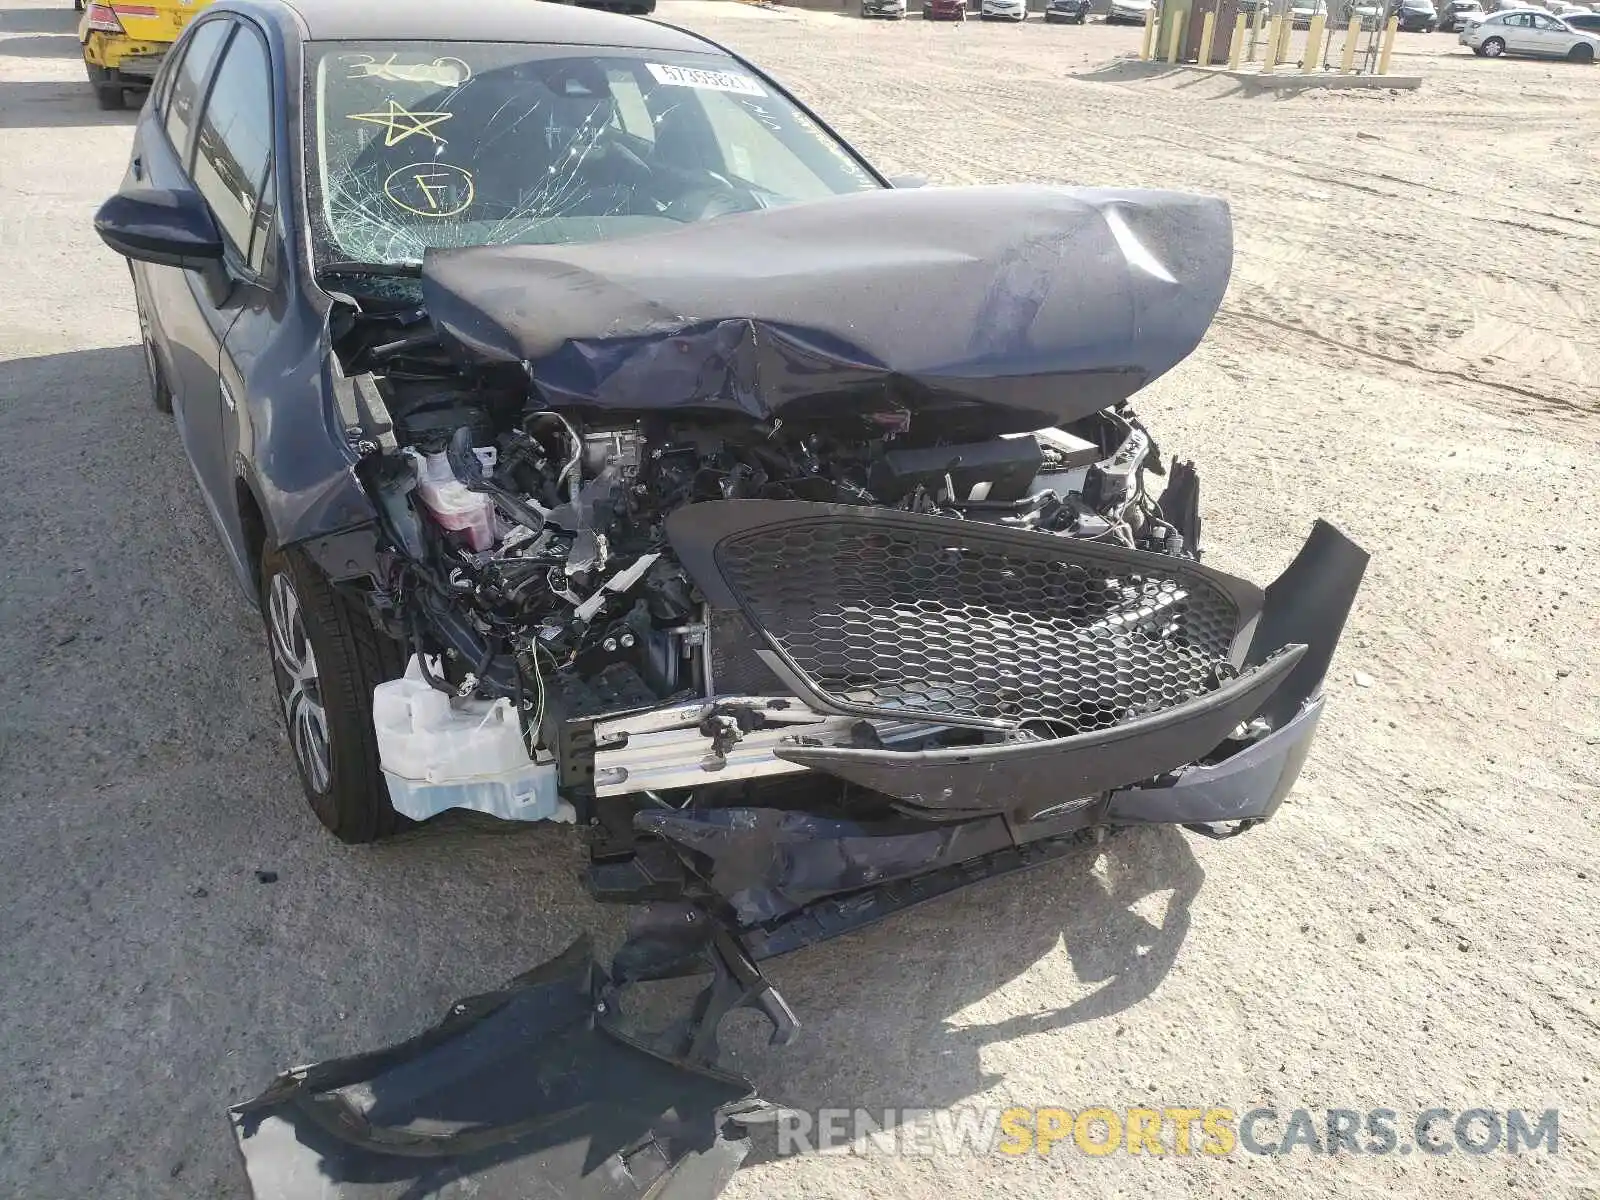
[[1407, 349]]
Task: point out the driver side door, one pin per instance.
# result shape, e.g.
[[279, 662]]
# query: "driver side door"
[[215, 140]]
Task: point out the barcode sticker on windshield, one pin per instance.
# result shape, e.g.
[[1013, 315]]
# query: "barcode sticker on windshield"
[[699, 77]]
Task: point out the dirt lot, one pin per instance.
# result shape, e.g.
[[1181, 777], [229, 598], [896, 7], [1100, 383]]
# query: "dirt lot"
[[1408, 349]]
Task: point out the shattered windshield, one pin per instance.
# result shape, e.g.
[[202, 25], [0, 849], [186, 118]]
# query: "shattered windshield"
[[417, 144]]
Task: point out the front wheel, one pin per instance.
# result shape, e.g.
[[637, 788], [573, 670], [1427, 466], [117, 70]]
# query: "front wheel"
[[327, 657], [155, 377], [1492, 47], [1581, 53]]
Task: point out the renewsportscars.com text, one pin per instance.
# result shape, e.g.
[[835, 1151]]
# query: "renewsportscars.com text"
[[1175, 1130]]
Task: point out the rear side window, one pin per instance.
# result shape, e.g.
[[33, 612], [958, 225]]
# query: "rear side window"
[[188, 86], [233, 149]]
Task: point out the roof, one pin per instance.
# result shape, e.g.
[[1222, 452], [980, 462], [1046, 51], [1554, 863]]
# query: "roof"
[[484, 21]]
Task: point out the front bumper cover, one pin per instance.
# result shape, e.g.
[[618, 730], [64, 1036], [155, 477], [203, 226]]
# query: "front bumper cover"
[[1087, 667], [527, 1091]]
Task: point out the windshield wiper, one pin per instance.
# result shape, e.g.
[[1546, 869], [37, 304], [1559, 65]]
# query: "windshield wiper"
[[402, 270]]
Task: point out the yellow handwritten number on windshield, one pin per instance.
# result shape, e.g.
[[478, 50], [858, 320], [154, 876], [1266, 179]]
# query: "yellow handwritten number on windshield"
[[431, 189]]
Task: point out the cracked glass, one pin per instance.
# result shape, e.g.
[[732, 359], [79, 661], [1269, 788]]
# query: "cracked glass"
[[418, 145]]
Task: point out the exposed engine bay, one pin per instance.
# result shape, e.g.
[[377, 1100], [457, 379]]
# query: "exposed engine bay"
[[530, 549]]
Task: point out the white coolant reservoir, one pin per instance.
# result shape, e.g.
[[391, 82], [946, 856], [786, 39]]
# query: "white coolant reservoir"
[[440, 752], [452, 504]]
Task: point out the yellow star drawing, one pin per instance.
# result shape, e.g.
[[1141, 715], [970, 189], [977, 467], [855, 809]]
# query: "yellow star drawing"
[[400, 123]]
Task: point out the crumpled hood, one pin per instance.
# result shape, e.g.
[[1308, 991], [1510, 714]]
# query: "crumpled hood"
[[1050, 302]]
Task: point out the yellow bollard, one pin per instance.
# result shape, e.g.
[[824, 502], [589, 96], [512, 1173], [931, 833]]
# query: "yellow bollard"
[[1255, 31], [1347, 62], [1285, 31], [1149, 34], [1388, 45], [1271, 59], [1208, 29], [1175, 42], [1313, 58], [1236, 47]]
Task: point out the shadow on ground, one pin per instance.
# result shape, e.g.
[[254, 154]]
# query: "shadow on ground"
[[893, 1018], [61, 19], [41, 46], [57, 104]]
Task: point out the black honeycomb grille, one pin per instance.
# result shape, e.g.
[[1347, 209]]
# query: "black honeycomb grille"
[[965, 625]]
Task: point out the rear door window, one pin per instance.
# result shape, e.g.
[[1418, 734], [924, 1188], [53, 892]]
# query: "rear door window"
[[188, 86]]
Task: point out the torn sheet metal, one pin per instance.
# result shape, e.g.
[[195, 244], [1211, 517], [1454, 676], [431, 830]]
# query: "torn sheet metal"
[[1049, 302]]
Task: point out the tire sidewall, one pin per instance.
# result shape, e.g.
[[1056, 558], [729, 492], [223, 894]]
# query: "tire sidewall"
[[155, 378], [355, 804]]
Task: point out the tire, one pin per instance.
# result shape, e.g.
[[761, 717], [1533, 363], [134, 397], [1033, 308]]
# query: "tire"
[[108, 87], [160, 393], [1581, 53], [327, 656], [1492, 47]]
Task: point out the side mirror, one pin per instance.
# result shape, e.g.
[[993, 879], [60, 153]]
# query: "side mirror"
[[166, 227], [908, 181]]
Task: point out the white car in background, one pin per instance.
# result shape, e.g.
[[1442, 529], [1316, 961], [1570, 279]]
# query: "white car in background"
[[1302, 11], [1458, 14], [1370, 13], [1128, 12], [1528, 31], [1004, 10]]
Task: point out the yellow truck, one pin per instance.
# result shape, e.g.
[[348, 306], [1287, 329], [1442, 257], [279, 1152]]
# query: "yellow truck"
[[125, 41]]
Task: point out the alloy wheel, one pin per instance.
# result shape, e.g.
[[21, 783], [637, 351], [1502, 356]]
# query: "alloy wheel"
[[295, 668]]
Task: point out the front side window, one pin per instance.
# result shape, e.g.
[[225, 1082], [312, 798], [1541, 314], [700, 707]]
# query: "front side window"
[[233, 149], [188, 86], [500, 143]]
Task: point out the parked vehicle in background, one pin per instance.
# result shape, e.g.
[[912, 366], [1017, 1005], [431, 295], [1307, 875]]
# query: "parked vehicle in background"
[[1459, 13], [1583, 22], [944, 10], [893, 10], [1128, 12], [124, 45], [1529, 32], [1075, 12], [1003, 10], [635, 8], [1303, 11], [1416, 16]]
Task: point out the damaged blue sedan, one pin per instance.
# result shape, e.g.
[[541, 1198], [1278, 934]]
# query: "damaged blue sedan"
[[604, 440]]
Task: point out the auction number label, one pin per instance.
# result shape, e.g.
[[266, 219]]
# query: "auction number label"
[[710, 81]]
